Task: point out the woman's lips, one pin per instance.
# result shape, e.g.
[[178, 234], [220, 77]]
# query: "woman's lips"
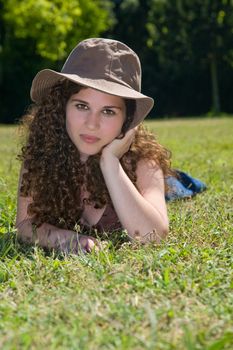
[[89, 138]]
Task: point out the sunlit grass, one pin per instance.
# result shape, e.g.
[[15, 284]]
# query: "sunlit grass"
[[178, 295]]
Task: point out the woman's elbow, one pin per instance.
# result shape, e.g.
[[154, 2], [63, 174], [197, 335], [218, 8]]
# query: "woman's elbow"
[[155, 235], [164, 232], [24, 231]]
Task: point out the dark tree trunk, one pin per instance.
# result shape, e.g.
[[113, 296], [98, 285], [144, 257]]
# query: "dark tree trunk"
[[214, 83]]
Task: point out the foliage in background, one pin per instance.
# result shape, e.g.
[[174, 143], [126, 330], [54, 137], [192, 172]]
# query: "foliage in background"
[[185, 47], [195, 32], [38, 34], [186, 51], [56, 26]]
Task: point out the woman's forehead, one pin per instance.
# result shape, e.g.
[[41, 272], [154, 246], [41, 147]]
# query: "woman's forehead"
[[92, 95]]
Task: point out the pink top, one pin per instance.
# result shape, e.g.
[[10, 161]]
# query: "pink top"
[[109, 221]]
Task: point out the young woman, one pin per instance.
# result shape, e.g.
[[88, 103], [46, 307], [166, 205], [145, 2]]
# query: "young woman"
[[88, 165]]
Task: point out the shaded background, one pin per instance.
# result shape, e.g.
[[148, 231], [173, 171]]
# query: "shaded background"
[[185, 47]]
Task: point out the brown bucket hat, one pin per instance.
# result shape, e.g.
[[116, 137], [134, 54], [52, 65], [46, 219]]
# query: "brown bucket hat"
[[103, 64]]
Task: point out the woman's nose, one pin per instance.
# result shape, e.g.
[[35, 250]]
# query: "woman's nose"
[[92, 121]]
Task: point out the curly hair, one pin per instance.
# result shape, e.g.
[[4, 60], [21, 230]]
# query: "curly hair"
[[54, 175]]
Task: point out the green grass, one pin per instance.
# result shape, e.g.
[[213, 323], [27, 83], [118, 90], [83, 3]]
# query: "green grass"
[[178, 295]]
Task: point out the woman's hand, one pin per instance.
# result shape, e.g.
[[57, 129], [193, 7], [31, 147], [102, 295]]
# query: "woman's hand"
[[79, 243], [88, 243], [118, 147]]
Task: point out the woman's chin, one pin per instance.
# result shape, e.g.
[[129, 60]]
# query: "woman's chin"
[[85, 156]]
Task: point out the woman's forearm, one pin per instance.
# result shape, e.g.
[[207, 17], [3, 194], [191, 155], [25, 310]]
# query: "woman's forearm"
[[136, 214], [46, 236]]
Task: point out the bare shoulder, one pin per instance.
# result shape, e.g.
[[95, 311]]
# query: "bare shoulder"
[[149, 176]]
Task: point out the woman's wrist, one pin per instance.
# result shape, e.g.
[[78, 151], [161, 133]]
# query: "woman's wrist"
[[108, 159], [109, 166]]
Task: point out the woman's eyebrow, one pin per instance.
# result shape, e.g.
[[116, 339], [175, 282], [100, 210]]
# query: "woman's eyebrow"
[[118, 107], [75, 99]]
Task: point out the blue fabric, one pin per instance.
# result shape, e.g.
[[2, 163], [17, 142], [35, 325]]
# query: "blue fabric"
[[183, 186]]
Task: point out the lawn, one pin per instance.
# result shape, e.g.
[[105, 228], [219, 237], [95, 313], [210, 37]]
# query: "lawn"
[[178, 295]]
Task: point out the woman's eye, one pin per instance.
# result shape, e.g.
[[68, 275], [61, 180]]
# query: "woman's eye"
[[109, 112], [81, 106]]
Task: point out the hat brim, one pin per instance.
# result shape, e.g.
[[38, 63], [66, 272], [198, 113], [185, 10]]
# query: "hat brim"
[[47, 78]]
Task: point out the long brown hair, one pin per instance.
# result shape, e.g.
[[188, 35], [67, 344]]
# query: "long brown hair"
[[55, 177]]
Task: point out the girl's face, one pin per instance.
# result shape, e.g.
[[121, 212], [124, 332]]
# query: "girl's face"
[[93, 120]]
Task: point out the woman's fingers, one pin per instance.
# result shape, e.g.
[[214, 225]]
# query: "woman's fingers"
[[88, 243], [118, 147]]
